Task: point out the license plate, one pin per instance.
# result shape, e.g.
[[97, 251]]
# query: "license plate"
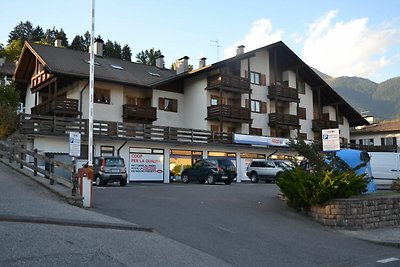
[[224, 177], [114, 170]]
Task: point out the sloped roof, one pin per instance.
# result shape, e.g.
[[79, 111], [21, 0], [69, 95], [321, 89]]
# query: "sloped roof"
[[7, 68], [384, 126], [68, 62]]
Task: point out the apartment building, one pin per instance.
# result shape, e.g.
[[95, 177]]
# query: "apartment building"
[[244, 107]]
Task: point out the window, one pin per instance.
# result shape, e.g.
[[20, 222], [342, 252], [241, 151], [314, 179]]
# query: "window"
[[255, 106], [214, 100], [301, 87], [301, 112], [214, 128], [102, 96], [255, 78], [106, 151], [231, 129], [168, 104], [256, 131], [302, 136], [389, 141]]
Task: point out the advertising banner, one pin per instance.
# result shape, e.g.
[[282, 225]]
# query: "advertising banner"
[[146, 167], [74, 144]]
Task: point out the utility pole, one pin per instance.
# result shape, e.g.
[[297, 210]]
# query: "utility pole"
[[216, 44]]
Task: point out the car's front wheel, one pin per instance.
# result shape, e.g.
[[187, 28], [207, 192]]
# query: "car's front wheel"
[[254, 177], [122, 183], [185, 178], [210, 179]]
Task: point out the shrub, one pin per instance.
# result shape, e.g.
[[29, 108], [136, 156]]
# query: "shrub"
[[304, 188], [395, 185]]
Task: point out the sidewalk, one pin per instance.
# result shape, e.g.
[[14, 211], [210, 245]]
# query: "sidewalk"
[[37, 229]]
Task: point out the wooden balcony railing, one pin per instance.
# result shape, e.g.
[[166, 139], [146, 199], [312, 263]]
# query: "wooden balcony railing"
[[139, 113], [228, 113], [60, 106], [277, 119], [282, 92], [40, 78], [31, 124], [229, 82], [319, 124]]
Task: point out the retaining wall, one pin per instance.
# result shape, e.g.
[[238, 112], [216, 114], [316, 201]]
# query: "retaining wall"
[[364, 212]]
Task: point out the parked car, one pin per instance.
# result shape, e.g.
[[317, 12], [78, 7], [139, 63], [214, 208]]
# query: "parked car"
[[210, 171], [109, 169], [267, 170]]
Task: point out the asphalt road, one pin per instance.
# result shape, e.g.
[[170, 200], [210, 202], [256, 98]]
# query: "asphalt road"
[[242, 224]]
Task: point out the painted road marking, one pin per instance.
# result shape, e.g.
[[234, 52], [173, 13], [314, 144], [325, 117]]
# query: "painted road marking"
[[388, 260]]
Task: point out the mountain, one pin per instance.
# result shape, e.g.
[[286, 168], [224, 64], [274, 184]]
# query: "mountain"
[[381, 100]]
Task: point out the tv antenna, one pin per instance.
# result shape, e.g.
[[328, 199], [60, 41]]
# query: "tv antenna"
[[216, 44]]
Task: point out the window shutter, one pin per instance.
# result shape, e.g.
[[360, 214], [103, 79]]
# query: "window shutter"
[[246, 74], [263, 107], [262, 79], [161, 104], [247, 103], [175, 105]]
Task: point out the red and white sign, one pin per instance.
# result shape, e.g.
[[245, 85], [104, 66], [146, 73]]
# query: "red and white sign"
[[146, 167]]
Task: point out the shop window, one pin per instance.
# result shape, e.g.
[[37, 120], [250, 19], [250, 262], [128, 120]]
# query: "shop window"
[[106, 151], [168, 104], [102, 96]]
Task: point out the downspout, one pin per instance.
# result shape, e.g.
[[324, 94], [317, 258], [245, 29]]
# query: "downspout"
[[121, 147], [80, 100]]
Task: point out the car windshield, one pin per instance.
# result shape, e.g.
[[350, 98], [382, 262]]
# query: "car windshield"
[[117, 162], [283, 164]]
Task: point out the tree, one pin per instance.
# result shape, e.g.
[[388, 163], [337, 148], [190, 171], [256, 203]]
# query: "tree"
[[23, 31], [77, 43], [86, 41], [126, 53], [173, 66], [13, 50], [9, 101], [148, 57]]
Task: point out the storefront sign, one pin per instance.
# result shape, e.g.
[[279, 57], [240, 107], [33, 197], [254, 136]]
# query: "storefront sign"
[[260, 140], [146, 167]]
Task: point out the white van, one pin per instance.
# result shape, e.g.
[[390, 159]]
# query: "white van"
[[385, 168]]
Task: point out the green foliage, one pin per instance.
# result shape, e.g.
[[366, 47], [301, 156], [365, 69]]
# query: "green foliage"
[[321, 182], [9, 100], [148, 57], [395, 185], [13, 50]]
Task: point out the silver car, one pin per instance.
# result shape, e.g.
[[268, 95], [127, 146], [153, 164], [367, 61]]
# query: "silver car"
[[267, 170]]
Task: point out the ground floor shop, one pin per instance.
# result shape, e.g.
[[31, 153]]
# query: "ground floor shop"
[[164, 162]]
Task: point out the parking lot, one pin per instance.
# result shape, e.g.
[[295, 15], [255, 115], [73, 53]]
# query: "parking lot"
[[243, 224]]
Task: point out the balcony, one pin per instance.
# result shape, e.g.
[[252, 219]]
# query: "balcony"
[[228, 113], [229, 83], [40, 79], [135, 113], [284, 93], [61, 107], [283, 120], [319, 124]]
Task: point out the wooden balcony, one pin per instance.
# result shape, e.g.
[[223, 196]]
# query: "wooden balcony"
[[284, 93], [283, 120], [228, 113], [319, 124], [40, 78], [60, 107], [229, 83], [135, 113]]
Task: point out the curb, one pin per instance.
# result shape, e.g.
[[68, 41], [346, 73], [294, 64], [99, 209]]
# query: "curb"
[[76, 223]]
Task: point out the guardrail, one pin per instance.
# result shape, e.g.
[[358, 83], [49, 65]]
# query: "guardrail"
[[19, 154]]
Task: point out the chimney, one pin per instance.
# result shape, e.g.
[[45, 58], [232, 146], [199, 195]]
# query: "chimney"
[[182, 65], [160, 62], [58, 43], [98, 47], [240, 50], [202, 62]]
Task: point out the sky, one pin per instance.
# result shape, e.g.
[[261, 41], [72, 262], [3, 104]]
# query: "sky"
[[338, 37]]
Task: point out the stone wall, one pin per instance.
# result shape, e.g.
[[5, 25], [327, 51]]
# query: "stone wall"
[[364, 212]]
